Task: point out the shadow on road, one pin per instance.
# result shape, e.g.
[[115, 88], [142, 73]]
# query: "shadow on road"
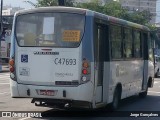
[[105, 112]]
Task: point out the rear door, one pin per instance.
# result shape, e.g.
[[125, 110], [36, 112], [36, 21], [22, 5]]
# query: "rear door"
[[48, 48], [100, 57]]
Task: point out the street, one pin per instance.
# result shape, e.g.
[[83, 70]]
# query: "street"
[[151, 104]]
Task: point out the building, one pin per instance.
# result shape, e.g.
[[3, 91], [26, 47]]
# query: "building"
[[141, 5], [158, 12], [8, 10]]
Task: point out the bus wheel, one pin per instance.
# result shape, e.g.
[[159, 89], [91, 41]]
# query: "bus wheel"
[[143, 94], [116, 99]]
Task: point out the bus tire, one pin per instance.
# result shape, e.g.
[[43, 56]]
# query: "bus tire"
[[143, 94], [116, 99]]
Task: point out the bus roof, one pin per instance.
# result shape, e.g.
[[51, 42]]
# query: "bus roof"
[[55, 8], [84, 11], [115, 20]]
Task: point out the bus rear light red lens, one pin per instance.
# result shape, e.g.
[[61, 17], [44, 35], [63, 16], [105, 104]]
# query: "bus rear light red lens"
[[11, 62], [84, 71], [11, 69]]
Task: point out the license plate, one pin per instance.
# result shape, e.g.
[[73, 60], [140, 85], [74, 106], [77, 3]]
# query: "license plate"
[[48, 92]]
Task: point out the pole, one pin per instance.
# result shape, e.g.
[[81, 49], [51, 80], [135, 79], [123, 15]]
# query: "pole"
[[1, 34], [1, 16], [61, 2]]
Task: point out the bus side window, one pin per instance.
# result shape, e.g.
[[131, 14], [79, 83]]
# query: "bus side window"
[[127, 43], [137, 44], [151, 46], [148, 46], [116, 42]]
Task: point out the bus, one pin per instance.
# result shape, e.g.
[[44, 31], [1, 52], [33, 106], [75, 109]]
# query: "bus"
[[71, 57]]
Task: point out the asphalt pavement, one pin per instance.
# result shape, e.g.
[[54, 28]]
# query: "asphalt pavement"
[[5, 67]]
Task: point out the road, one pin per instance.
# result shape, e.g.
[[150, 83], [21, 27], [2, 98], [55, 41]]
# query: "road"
[[151, 104]]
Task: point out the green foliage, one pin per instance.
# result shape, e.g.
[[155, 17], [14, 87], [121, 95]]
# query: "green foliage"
[[152, 27], [142, 17], [94, 5], [69, 3], [114, 9], [111, 8], [45, 3]]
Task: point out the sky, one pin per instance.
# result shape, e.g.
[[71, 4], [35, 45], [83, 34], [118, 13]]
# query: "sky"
[[18, 3]]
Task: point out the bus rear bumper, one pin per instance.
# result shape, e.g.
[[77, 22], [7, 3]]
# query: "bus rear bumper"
[[83, 92], [61, 103], [14, 89]]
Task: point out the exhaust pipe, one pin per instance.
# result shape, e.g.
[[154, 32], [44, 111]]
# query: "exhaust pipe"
[[67, 105]]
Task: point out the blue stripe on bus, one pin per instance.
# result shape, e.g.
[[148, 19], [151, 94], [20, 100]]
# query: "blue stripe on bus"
[[13, 39], [87, 42], [12, 49]]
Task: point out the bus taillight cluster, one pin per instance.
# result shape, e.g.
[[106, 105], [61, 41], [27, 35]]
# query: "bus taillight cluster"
[[85, 71], [85, 66], [11, 67]]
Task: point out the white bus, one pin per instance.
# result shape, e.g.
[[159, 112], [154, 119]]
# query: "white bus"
[[72, 57]]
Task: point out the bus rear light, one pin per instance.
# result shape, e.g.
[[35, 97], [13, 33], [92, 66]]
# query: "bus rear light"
[[85, 65], [84, 71], [12, 75], [11, 62], [11, 69], [84, 78]]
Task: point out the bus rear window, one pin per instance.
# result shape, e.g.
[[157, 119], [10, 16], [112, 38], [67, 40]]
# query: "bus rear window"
[[50, 29]]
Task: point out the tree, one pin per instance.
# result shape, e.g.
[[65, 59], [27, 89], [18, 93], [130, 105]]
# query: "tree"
[[114, 9], [45, 3], [94, 5], [111, 8], [70, 3], [140, 17]]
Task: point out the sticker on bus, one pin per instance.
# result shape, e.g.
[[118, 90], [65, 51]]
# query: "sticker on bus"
[[24, 58], [48, 25], [71, 35], [23, 71]]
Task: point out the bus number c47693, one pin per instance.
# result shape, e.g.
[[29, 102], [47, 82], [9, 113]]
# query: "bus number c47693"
[[64, 61]]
